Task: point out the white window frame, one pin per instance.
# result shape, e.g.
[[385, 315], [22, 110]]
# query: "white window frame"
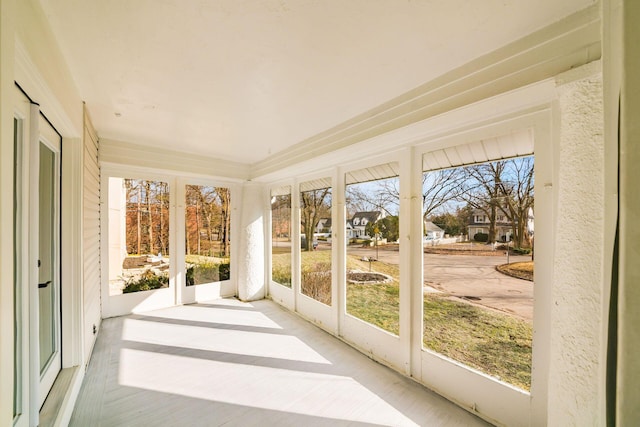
[[501, 401], [173, 295]]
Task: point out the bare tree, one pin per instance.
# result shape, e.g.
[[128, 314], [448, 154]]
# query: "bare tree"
[[224, 195], [482, 190], [281, 216], [315, 204], [518, 196], [382, 195], [439, 188], [149, 198], [164, 204]]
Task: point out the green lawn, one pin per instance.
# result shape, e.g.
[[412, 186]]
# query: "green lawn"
[[490, 341], [378, 304], [281, 268]]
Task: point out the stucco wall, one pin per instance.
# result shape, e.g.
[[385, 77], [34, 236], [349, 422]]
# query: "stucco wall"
[[575, 388], [251, 276]]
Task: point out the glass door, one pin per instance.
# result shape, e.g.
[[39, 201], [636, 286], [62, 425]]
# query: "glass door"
[[315, 298], [373, 258], [140, 244], [207, 242], [48, 258]]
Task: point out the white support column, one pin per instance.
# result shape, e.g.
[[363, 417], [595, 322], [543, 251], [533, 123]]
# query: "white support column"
[[265, 202], [628, 368], [338, 226], [575, 386], [183, 294], [417, 260], [251, 283], [407, 261], [295, 243], [71, 236]]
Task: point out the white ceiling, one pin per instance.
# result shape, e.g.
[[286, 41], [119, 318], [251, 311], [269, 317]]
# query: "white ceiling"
[[244, 79]]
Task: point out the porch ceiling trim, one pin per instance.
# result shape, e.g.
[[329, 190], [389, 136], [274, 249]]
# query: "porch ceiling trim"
[[566, 44], [517, 143], [141, 156]]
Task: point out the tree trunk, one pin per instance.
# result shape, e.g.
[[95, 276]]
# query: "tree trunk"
[[138, 218], [197, 228], [161, 214], [187, 229], [150, 215]]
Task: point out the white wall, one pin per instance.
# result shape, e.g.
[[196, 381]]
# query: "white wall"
[[575, 388], [6, 209], [30, 57], [251, 268]]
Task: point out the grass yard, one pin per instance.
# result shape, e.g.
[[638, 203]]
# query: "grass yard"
[[315, 280], [492, 342], [521, 270], [378, 304], [281, 268]]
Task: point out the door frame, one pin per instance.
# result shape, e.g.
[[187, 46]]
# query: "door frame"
[[204, 291], [31, 88], [176, 293], [118, 305], [322, 314], [45, 135], [383, 346], [26, 245]]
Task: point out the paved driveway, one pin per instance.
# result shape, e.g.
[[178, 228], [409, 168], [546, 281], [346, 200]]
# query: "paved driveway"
[[471, 277]]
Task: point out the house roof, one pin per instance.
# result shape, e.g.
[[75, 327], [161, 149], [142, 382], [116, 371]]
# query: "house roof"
[[430, 226], [326, 222], [370, 216]]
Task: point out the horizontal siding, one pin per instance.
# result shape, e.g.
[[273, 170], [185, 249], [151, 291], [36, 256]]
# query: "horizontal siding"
[[91, 236]]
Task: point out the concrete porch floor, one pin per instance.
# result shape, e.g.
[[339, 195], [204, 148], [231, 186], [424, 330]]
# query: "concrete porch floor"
[[243, 364]]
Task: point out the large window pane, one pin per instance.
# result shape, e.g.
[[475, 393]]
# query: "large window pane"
[[315, 240], [138, 235], [17, 268], [478, 266], [281, 236], [373, 257], [207, 234]]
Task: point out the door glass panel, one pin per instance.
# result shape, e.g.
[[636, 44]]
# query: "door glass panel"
[[138, 235], [207, 234], [17, 269], [47, 271], [315, 240], [281, 236], [478, 266], [373, 251]]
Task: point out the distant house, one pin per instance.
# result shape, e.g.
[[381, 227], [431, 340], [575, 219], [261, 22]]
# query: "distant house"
[[360, 220], [432, 231], [349, 229], [324, 226], [479, 223], [356, 226]]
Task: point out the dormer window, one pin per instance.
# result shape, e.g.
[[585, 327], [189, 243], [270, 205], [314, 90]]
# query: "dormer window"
[[356, 221], [364, 221]]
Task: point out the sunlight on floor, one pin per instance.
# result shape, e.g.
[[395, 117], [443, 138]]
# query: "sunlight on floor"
[[232, 363], [280, 389], [210, 336]]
